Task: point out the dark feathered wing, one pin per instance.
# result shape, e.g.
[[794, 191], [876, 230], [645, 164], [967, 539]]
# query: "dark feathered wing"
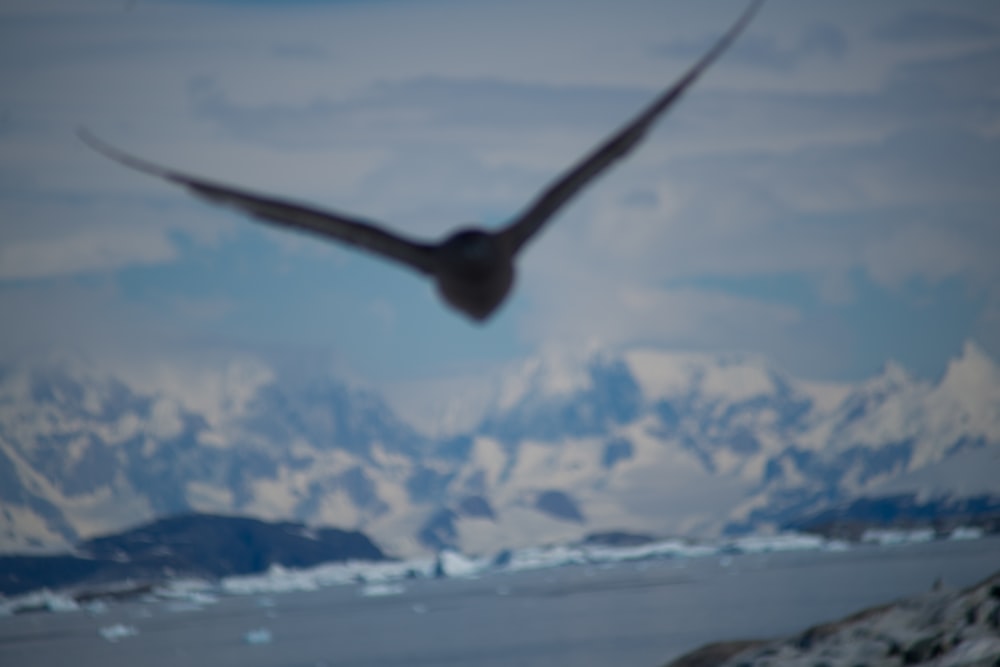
[[617, 146], [336, 226]]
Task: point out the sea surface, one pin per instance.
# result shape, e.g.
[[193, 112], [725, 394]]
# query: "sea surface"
[[629, 613]]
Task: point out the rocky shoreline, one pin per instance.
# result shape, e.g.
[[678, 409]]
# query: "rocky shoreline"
[[943, 628]]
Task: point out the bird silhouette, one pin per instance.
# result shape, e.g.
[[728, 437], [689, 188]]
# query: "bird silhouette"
[[473, 268]]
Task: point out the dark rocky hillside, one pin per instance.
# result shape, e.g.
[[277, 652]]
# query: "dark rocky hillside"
[[904, 511], [941, 627], [198, 545]]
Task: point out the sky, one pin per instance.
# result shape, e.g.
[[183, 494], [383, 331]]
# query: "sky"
[[826, 195]]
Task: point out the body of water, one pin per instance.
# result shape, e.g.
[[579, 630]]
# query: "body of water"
[[632, 613]]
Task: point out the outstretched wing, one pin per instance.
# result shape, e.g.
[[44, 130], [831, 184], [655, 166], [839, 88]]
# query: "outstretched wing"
[[336, 226], [617, 146]]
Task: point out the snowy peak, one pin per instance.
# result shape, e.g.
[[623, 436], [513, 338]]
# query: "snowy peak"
[[588, 397], [670, 375], [645, 440], [892, 383], [549, 376], [886, 408], [892, 377], [973, 381], [973, 369]]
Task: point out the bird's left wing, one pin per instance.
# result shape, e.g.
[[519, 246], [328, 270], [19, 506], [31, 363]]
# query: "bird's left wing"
[[336, 226], [615, 147]]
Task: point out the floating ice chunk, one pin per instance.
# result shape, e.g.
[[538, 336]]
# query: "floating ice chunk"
[[891, 537], [537, 558], [966, 533], [753, 544], [186, 596], [258, 636], [189, 601], [391, 570], [382, 590], [662, 549], [454, 564], [96, 607], [202, 598], [182, 606], [117, 631], [187, 589], [837, 546], [43, 600], [276, 580], [279, 579], [419, 608], [57, 602]]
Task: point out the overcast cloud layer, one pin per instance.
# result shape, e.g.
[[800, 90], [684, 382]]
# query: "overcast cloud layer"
[[825, 196]]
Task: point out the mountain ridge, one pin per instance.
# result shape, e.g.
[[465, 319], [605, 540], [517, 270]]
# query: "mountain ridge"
[[644, 440]]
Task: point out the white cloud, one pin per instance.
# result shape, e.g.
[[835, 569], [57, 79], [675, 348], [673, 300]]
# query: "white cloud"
[[96, 251], [53, 234], [582, 307], [930, 253]]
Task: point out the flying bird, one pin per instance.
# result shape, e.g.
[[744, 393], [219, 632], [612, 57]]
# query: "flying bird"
[[473, 268]]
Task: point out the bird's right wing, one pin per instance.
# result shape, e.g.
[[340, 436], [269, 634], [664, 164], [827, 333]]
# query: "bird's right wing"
[[336, 226], [615, 147]]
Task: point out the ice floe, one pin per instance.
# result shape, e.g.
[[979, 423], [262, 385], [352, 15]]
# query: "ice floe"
[[280, 579], [258, 636], [118, 631], [386, 577], [453, 564], [753, 544], [43, 600], [893, 537], [382, 590], [966, 533]]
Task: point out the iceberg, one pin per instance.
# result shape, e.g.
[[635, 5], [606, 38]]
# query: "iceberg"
[[382, 590], [277, 579], [280, 579], [113, 633], [186, 595], [381, 578], [890, 537], [258, 636], [456, 565], [536, 558], [966, 533], [42, 600], [661, 549], [96, 607], [193, 590], [755, 544]]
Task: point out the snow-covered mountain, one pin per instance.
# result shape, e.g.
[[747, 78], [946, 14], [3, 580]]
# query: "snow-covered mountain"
[[645, 440]]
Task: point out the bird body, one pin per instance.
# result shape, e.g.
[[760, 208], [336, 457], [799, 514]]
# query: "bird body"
[[473, 268], [474, 272]]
